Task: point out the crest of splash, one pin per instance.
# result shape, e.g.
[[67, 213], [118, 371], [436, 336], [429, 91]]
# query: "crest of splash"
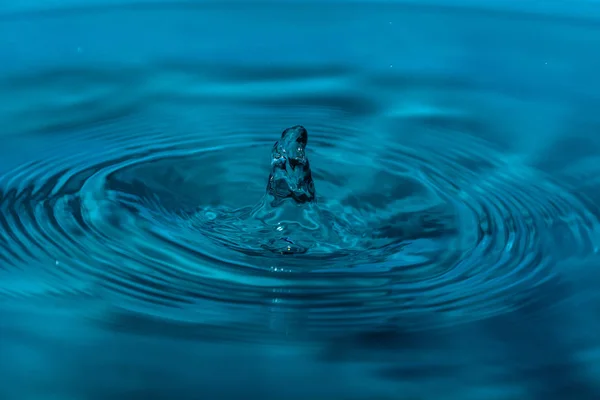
[[291, 177]]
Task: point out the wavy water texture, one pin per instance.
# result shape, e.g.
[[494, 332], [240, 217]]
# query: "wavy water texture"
[[446, 213], [445, 230]]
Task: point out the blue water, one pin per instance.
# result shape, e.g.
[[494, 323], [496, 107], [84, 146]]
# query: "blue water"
[[427, 227]]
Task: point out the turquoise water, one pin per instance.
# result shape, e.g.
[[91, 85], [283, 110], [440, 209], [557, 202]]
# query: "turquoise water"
[[162, 236]]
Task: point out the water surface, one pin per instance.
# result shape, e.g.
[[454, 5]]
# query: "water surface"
[[448, 248]]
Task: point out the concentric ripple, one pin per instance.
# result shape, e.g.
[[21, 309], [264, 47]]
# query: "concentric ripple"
[[417, 222]]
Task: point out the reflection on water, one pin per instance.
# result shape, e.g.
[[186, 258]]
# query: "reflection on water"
[[450, 252]]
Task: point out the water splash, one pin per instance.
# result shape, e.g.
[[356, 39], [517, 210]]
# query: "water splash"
[[291, 176], [287, 219]]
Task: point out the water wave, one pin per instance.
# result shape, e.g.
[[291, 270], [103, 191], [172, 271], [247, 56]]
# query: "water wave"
[[127, 203]]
